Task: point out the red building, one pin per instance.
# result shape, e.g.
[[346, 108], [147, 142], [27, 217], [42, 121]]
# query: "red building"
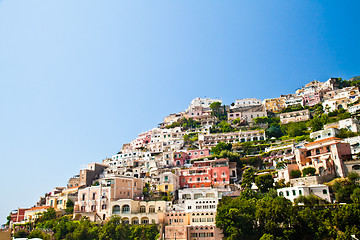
[[209, 173], [18, 215]]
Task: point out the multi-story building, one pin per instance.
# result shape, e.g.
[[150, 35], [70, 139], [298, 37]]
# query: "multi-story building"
[[274, 104], [139, 212], [94, 202], [208, 173], [246, 102], [247, 113], [17, 216], [58, 200], [325, 155], [34, 213], [333, 104], [87, 176], [354, 144], [202, 102], [166, 182], [173, 118], [198, 111], [232, 137], [326, 133], [297, 116], [292, 193], [312, 99], [354, 109], [293, 100], [352, 124]]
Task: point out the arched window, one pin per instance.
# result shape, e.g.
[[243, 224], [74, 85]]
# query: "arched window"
[[135, 220], [151, 209], [116, 209], [145, 220], [142, 209], [355, 167], [125, 209]]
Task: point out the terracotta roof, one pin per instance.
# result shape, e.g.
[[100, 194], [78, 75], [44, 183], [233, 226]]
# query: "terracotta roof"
[[38, 208], [74, 187], [323, 140]]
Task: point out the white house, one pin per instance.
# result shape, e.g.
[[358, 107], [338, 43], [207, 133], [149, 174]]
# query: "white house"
[[292, 193]]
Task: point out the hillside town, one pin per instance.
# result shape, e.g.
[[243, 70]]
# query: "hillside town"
[[175, 175]]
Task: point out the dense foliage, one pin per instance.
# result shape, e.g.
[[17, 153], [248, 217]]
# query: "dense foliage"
[[65, 228], [263, 216], [185, 123]]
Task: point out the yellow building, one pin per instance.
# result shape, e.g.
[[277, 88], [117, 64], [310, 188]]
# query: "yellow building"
[[274, 104]]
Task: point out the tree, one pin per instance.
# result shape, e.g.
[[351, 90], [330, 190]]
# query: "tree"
[[309, 171], [48, 215], [274, 131], [281, 165], [248, 178], [353, 176], [236, 217], [260, 120], [315, 124], [215, 107], [267, 237], [355, 197], [264, 182], [295, 173], [36, 233], [220, 147], [69, 206], [8, 218]]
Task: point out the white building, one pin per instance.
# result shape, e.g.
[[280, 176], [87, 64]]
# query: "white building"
[[354, 109], [294, 101], [246, 102], [354, 144], [292, 193], [202, 102], [197, 200], [326, 133]]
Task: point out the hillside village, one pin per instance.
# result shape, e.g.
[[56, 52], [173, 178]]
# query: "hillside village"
[[175, 175]]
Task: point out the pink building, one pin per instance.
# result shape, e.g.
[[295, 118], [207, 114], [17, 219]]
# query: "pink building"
[[180, 158], [195, 225], [198, 153], [312, 99], [94, 201]]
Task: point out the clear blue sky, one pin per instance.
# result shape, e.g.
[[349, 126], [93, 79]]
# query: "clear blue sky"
[[80, 78]]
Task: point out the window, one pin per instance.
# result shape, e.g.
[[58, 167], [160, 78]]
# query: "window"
[[324, 191], [144, 221], [103, 206], [152, 209], [142, 209], [294, 192], [287, 193], [83, 197], [93, 208], [166, 178], [126, 209], [300, 192], [94, 196]]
